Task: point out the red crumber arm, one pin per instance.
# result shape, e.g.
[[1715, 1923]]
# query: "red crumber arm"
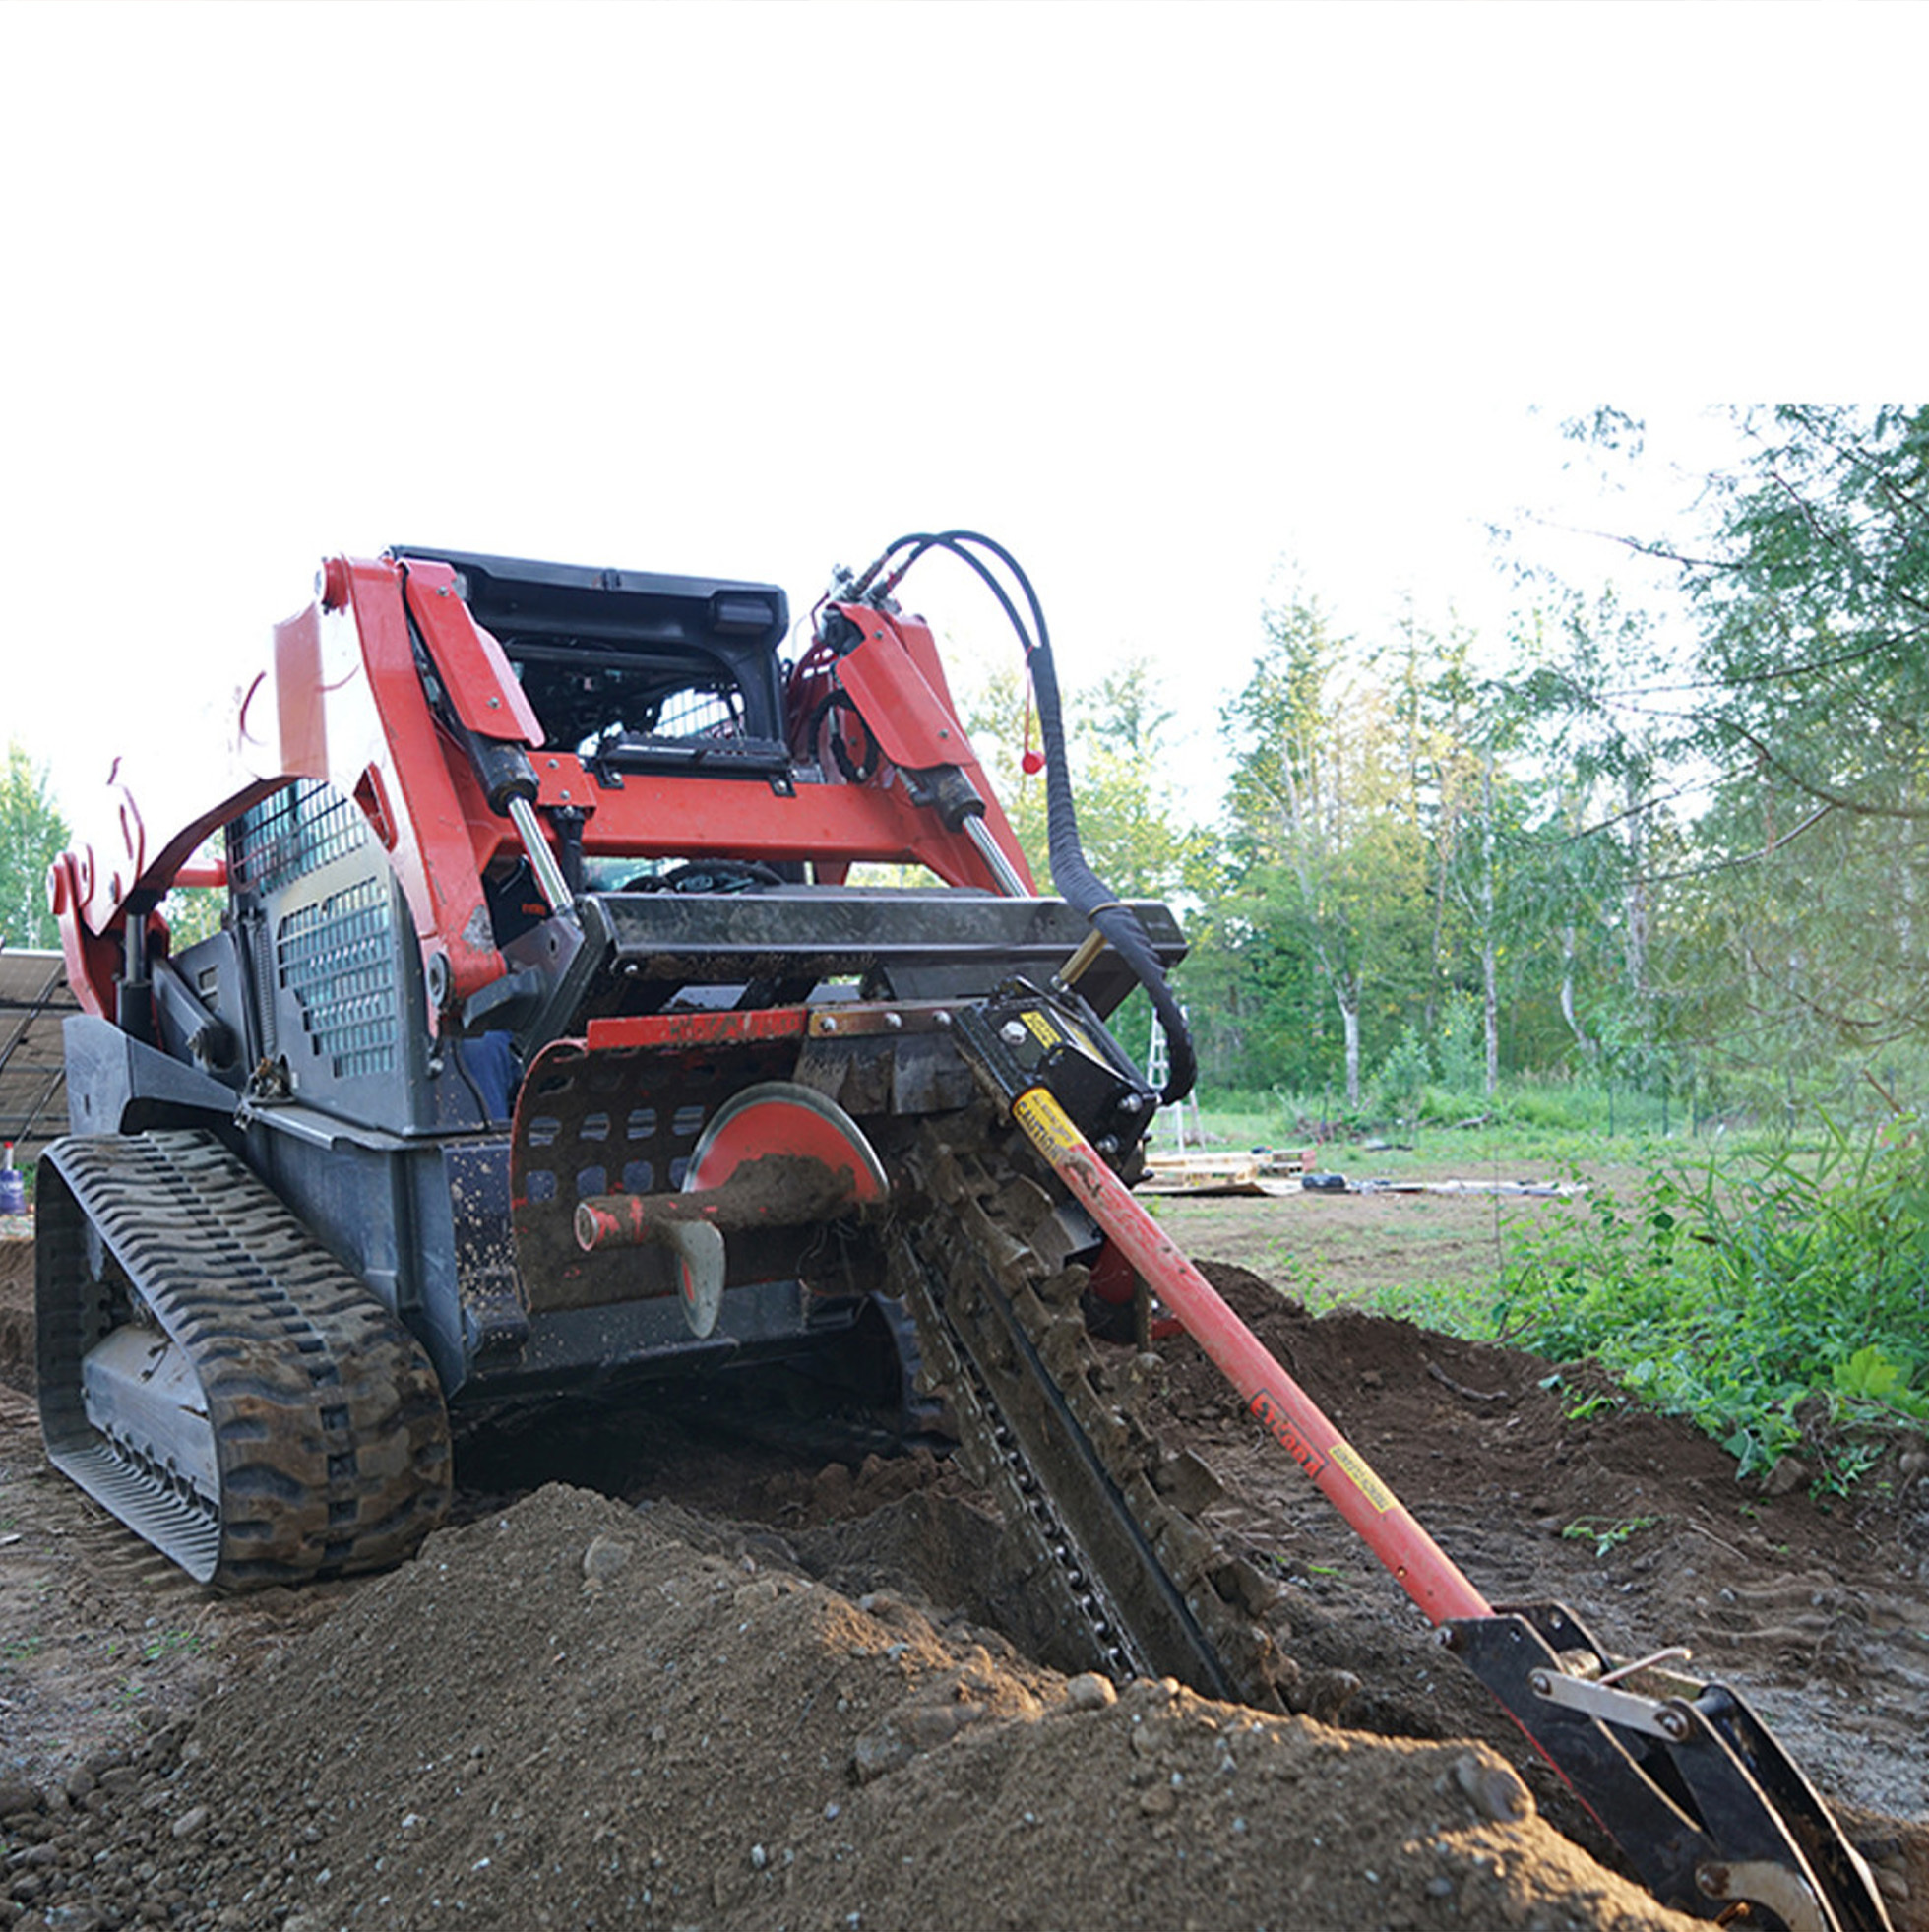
[[1687, 1780], [1288, 1413]]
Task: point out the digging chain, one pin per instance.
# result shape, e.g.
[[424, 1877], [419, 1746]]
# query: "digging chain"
[[1130, 1582]]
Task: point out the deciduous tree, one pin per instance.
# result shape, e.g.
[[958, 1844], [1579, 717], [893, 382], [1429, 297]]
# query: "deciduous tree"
[[33, 834], [1323, 849]]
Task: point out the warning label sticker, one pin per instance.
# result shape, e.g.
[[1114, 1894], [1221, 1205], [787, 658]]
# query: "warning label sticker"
[[1365, 1481], [1043, 1120], [1050, 1032], [1042, 1029]]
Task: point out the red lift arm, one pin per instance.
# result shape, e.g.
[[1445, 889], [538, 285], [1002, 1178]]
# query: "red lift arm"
[[341, 697]]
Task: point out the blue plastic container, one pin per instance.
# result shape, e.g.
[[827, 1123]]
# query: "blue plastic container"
[[12, 1188]]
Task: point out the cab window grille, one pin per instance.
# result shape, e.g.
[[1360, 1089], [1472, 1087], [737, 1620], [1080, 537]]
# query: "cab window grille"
[[699, 713], [295, 832]]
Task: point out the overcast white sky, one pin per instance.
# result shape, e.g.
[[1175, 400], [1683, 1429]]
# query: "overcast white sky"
[[1155, 294]]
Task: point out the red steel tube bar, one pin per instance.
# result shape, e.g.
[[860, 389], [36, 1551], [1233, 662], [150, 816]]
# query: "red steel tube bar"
[[1421, 1568]]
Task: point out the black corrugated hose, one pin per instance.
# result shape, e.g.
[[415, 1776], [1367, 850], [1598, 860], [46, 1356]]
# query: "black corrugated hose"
[[1078, 885]]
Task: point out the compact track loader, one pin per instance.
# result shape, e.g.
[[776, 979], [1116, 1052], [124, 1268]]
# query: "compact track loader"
[[545, 1044]]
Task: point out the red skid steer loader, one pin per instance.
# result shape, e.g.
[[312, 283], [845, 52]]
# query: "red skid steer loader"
[[546, 1044]]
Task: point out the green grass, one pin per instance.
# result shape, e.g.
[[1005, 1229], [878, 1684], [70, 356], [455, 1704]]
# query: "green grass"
[[1462, 1308], [1234, 1122], [1534, 1120]]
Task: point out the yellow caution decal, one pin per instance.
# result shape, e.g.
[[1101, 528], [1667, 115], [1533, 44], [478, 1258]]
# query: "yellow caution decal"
[[1049, 1032], [1042, 1029], [1365, 1481], [1045, 1122]]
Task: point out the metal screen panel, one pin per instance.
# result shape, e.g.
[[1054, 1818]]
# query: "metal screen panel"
[[34, 1001], [338, 957]]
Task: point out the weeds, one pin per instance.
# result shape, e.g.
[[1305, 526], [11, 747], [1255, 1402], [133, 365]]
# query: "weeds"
[[1296, 1275], [1846, 1467], [1607, 1533], [1776, 1294], [1584, 1407], [170, 1643], [1780, 1305]]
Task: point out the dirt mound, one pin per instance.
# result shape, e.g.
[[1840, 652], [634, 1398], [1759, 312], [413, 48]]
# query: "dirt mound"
[[737, 1690], [1548, 1483], [570, 1715], [1559, 1442]]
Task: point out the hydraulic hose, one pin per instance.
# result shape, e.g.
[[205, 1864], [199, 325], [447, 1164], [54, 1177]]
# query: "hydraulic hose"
[[1078, 885]]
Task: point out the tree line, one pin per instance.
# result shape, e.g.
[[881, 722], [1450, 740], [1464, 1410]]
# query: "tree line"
[[1681, 846], [1678, 846]]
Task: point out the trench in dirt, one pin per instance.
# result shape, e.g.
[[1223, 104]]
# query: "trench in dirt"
[[868, 1675]]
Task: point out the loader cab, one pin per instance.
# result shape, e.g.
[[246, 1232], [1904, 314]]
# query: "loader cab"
[[640, 675], [634, 670]]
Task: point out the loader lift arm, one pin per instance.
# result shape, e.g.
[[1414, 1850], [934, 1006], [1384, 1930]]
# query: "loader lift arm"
[[388, 688]]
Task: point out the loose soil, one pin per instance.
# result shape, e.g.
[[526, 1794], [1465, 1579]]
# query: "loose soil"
[[705, 1683]]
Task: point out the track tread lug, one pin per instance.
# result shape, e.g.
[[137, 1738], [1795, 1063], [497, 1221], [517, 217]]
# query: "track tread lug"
[[323, 1413]]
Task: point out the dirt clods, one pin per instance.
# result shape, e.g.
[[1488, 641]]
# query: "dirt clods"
[[698, 1737]]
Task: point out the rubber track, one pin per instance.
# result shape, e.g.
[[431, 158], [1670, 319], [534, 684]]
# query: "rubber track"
[[330, 1433], [1122, 1579]]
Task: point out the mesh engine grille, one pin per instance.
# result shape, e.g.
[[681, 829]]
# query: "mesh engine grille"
[[337, 958]]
